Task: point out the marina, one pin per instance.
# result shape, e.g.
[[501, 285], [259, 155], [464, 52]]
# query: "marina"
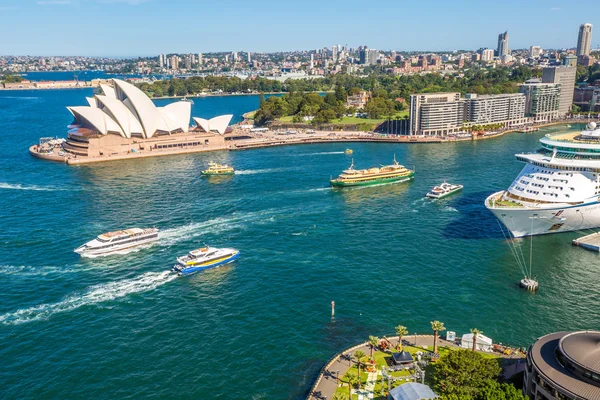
[[255, 302]]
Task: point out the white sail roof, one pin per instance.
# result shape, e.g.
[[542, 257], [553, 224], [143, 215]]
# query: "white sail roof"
[[95, 119], [122, 115], [125, 110], [218, 124]]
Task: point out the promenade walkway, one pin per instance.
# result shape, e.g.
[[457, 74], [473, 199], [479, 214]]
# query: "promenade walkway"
[[327, 382]]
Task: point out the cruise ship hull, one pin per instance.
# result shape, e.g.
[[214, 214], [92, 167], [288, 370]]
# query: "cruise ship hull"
[[539, 221]]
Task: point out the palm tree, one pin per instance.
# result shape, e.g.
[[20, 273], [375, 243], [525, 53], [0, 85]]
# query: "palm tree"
[[359, 355], [437, 327], [476, 332], [351, 379], [373, 342], [401, 330], [338, 396]]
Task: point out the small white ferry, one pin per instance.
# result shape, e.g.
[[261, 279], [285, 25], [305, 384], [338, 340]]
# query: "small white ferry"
[[204, 258], [113, 242], [443, 190]]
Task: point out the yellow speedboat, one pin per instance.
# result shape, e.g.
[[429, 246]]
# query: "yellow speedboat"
[[349, 151]]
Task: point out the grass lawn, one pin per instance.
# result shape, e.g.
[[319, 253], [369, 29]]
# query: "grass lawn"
[[350, 120], [380, 360]]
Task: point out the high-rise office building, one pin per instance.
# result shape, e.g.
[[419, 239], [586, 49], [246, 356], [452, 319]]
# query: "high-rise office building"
[[584, 40], [161, 60], [334, 53], [535, 51], [249, 58], [503, 44], [200, 60], [566, 77], [312, 61]]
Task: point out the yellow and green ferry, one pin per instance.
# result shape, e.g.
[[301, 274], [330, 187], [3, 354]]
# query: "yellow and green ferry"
[[373, 176], [218, 169]]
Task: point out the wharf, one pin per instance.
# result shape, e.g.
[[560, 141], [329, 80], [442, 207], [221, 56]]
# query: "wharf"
[[589, 242]]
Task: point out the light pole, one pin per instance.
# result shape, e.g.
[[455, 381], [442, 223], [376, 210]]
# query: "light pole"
[[337, 377], [415, 339]]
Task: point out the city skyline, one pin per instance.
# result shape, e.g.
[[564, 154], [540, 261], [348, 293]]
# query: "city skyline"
[[149, 27]]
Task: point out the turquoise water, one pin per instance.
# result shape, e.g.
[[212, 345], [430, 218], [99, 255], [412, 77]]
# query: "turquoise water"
[[121, 326]]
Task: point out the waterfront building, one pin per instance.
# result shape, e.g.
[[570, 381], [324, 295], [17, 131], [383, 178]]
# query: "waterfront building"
[[503, 44], [584, 40], [124, 119], [564, 366], [566, 77], [505, 109], [436, 114], [542, 100], [535, 51]]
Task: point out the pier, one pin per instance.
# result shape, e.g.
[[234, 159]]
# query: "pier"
[[589, 242]]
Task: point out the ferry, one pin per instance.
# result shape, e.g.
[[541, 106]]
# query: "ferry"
[[373, 176], [204, 258], [443, 190], [558, 190], [218, 169], [113, 242]]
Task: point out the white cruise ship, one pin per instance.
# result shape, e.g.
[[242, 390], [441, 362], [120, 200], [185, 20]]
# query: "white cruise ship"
[[557, 190], [118, 241]]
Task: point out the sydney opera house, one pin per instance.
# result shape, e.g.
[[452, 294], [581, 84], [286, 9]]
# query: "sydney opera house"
[[123, 121]]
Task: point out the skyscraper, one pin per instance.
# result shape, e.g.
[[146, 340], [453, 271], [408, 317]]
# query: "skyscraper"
[[565, 76], [161, 60], [503, 44], [200, 59], [584, 41], [334, 53], [249, 58]]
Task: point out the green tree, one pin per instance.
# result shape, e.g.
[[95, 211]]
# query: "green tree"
[[351, 380], [359, 355], [373, 342], [171, 88], [401, 331], [464, 373], [340, 93], [437, 327], [499, 391], [261, 99], [476, 332]]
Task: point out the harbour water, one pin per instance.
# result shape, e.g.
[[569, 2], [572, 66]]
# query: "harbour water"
[[260, 328]]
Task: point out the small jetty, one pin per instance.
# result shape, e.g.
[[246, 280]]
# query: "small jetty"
[[589, 242]]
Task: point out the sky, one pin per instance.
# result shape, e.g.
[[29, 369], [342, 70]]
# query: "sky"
[[124, 28]]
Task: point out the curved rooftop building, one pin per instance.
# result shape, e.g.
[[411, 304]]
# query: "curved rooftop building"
[[564, 365], [122, 120]]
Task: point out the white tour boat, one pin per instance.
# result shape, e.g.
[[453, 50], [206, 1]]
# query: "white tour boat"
[[558, 190], [443, 190], [204, 258], [113, 242]]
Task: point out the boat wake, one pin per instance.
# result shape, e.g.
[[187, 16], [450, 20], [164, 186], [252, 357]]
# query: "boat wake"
[[450, 209], [17, 186], [324, 153], [171, 236], [262, 171], [93, 295], [28, 270]]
